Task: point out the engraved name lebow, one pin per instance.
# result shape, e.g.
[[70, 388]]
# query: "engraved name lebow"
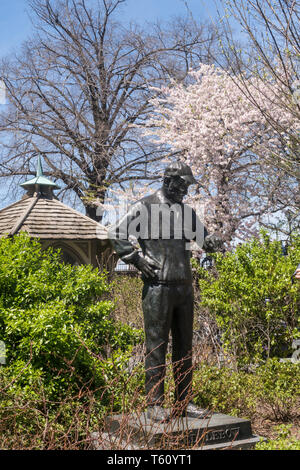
[[229, 433]]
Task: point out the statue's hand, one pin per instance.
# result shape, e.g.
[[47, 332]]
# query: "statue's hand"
[[146, 267], [212, 243]]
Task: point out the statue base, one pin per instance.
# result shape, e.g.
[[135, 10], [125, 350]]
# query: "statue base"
[[137, 432]]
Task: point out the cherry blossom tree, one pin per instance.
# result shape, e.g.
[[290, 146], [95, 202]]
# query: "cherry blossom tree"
[[227, 141], [267, 43]]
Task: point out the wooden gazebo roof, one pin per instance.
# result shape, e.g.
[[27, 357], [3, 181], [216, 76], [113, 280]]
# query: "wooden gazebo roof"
[[43, 216], [48, 218]]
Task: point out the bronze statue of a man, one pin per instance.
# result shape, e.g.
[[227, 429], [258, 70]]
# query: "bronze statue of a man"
[[164, 228]]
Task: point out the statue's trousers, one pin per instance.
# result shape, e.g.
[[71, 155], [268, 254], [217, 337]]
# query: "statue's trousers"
[[168, 307]]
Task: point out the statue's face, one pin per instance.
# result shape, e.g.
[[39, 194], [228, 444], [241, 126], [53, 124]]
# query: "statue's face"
[[175, 188]]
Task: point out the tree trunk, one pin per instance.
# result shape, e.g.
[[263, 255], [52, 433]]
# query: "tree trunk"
[[93, 212]]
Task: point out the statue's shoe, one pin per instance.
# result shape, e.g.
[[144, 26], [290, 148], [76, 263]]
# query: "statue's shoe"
[[193, 411], [158, 414]]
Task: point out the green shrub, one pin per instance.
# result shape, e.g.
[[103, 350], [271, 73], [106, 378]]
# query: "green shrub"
[[254, 302], [273, 387], [284, 441], [66, 355], [279, 388], [225, 390], [30, 419], [56, 317], [126, 292], [125, 388]]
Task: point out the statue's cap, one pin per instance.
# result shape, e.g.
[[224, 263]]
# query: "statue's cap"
[[179, 168]]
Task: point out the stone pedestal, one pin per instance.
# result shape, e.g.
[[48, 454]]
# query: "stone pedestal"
[[137, 432]]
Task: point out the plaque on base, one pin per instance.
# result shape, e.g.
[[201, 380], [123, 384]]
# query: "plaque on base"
[[137, 432]]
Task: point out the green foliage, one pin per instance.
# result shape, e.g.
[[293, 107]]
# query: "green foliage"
[[273, 386], [284, 441], [56, 318], [225, 390], [29, 419], [68, 355], [125, 388], [279, 388], [251, 295], [127, 296]]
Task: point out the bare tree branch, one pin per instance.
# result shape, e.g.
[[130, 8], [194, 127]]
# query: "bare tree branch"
[[81, 83]]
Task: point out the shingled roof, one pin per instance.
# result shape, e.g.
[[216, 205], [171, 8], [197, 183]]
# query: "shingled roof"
[[48, 218], [43, 216]]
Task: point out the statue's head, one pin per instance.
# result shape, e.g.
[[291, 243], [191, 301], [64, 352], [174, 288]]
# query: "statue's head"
[[177, 178]]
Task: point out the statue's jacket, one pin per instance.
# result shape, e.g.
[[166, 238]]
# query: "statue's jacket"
[[164, 231]]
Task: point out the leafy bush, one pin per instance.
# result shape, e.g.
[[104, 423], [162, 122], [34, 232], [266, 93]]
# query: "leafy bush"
[[273, 386], [251, 295], [225, 390], [126, 291], [284, 441], [279, 388], [30, 418], [56, 318]]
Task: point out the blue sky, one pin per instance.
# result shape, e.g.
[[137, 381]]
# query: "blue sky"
[[15, 25], [142, 10]]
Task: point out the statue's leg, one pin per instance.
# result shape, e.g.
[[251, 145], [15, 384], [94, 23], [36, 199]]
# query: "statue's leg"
[[182, 338], [182, 335], [157, 310]]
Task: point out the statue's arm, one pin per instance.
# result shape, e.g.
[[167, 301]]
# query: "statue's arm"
[[119, 236], [212, 243]]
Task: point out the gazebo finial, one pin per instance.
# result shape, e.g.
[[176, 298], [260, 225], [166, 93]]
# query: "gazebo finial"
[[39, 169], [40, 184]]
